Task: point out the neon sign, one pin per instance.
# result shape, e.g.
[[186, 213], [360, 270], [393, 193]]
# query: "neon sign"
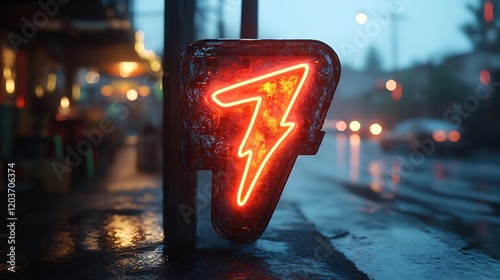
[[276, 85], [250, 107]]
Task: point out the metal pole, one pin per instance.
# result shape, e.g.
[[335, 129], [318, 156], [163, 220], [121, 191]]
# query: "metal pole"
[[179, 185], [249, 19]]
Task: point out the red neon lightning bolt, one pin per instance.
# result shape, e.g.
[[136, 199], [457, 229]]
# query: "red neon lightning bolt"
[[264, 155]]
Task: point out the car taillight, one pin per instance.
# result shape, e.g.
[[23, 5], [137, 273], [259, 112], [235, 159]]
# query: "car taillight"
[[439, 136], [454, 136]]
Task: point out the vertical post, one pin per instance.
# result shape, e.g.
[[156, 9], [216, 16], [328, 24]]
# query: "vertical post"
[[249, 19], [396, 19], [179, 185]]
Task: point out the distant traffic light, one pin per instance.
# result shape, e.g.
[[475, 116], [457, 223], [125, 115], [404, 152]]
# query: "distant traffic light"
[[488, 11]]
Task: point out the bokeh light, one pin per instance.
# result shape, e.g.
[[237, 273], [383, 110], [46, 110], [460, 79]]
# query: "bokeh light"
[[361, 18], [107, 90], [341, 125], [64, 102], [10, 86], [132, 94], [485, 77], [92, 77], [391, 85], [376, 129], [355, 126]]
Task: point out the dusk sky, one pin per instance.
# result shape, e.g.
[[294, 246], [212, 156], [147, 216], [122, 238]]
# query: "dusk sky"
[[426, 30]]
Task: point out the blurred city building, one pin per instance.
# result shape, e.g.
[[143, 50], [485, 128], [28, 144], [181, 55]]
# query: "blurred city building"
[[75, 78], [462, 89]]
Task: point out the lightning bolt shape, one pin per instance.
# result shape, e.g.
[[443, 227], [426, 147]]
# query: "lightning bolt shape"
[[243, 196]]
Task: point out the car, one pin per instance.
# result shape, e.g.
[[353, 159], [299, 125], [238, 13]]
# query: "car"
[[413, 133]]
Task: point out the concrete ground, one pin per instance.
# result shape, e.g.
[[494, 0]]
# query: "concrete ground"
[[112, 229], [350, 212]]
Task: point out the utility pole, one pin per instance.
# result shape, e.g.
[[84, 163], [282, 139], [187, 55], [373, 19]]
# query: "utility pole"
[[396, 19], [179, 185], [395, 52], [249, 19]]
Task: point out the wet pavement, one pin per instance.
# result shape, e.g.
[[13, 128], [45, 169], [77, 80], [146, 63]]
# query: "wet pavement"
[[350, 212], [112, 229], [393, 216]]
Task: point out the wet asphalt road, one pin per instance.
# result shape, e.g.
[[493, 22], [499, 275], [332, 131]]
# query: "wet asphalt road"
[[435, 217], [350, 212]]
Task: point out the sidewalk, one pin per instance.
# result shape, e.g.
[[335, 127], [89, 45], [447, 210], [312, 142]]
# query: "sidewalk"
[[112, 229]]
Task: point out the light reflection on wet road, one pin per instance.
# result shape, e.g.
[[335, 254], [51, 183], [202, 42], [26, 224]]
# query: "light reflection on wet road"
[[103, 230], [347, 211], [113, 230], [438, 217]]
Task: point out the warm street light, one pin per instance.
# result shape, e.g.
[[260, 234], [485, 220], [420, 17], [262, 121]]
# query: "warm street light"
[[7, 72], [92, 77], [155, 65], [64, 102], [140, 48], [376, 129], [76, 92], [10, 86], [132, 94], [51, 82], [361, 18], [143, 91], [107, 90], [355, 126], [391, 85], [127, 68], [39, 91]]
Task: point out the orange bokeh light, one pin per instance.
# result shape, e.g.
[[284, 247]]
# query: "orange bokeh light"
[[341, 125], [143, 91], [107, 90], [391, 85], [454, 136], [439, 136], [485, 77]]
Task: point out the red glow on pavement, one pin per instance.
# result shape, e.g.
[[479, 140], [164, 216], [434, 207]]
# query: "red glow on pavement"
[[341, 126]]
